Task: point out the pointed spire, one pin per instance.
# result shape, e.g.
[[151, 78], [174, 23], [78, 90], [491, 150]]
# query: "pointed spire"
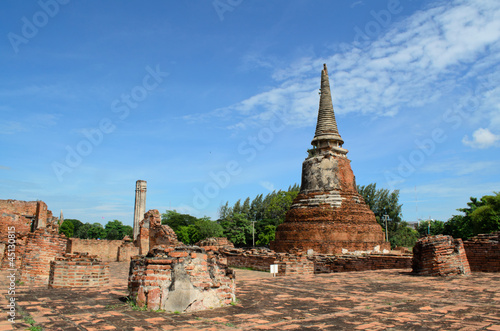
[[326, 127]]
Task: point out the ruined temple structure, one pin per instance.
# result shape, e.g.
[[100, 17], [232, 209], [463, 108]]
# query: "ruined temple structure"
[[440, 256], [181, 279], [328, 215]]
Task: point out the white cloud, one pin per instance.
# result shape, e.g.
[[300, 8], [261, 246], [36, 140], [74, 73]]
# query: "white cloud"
[[459, 167], [481, 138], [413, 64], [267, 185], [11, 127]]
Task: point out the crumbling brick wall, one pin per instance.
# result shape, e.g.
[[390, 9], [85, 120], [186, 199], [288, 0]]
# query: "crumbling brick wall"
[[20, 217], [32, 210], [184, 278], [17, 226], [256, 259], [261, 259], [215, 243], [440, 256], [42, 247], [344, 263], [106, 250], [126, 251], [78, 270], [142, 240], [289, 264], [159, 234], [483, 252]]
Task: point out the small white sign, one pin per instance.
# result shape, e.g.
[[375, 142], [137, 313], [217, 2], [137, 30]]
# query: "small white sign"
[[274, 269]]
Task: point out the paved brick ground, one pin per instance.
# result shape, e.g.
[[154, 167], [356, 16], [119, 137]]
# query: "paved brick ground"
[[373, 300]]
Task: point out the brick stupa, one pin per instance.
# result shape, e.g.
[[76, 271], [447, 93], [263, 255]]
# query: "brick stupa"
[[328, 214]]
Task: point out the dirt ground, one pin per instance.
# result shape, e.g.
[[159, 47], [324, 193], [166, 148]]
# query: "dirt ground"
[[370, 300]]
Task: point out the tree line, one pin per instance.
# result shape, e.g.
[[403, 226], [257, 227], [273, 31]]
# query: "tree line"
[[113, 230], [243, 223], [480, 216], [254, 221]]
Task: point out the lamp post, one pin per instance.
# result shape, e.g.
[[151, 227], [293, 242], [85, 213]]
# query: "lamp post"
[[386, 217], [253, 233]]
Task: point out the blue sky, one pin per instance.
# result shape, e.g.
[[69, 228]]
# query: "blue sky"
[[212, 101]]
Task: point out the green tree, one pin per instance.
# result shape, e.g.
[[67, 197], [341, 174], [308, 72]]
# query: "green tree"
[[383, 202], [115, 230], [225, 211], [207, 228], [237, 229], [256, 208], [486, 217], [266, 235], [67, 228], [76, 224], [434, 226], [278, 205], [404, 236], [175, 220], [97, 231], [91, 231], [480, 216], [458, 226], [237, 207], [183, 234]]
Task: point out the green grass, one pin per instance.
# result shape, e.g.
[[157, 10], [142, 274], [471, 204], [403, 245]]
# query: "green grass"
[[135, 307]]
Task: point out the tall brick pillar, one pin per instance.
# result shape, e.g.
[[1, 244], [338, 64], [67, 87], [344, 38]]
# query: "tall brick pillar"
[[140, 205]]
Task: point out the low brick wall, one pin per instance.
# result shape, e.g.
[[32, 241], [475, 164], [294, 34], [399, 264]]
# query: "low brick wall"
[[483, 252], [343, 263], [183, 279], [215, 243], [126, 251], [289, 264], [78, 270], [440, 256], [106, 250], [261, 259], [257, 259], [42, 247]]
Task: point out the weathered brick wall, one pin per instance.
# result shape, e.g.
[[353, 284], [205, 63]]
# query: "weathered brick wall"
[[483, 252], [42, 247], [261, 259], [106, 250], [20, 227], [29, 209], [440, 256], [19, 207], [18, 216], [257, 259], [78, 270], [343, 263], [126, 251], [183, 278], [289, 264], [142, 240], [215, 243], [159, 234]]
